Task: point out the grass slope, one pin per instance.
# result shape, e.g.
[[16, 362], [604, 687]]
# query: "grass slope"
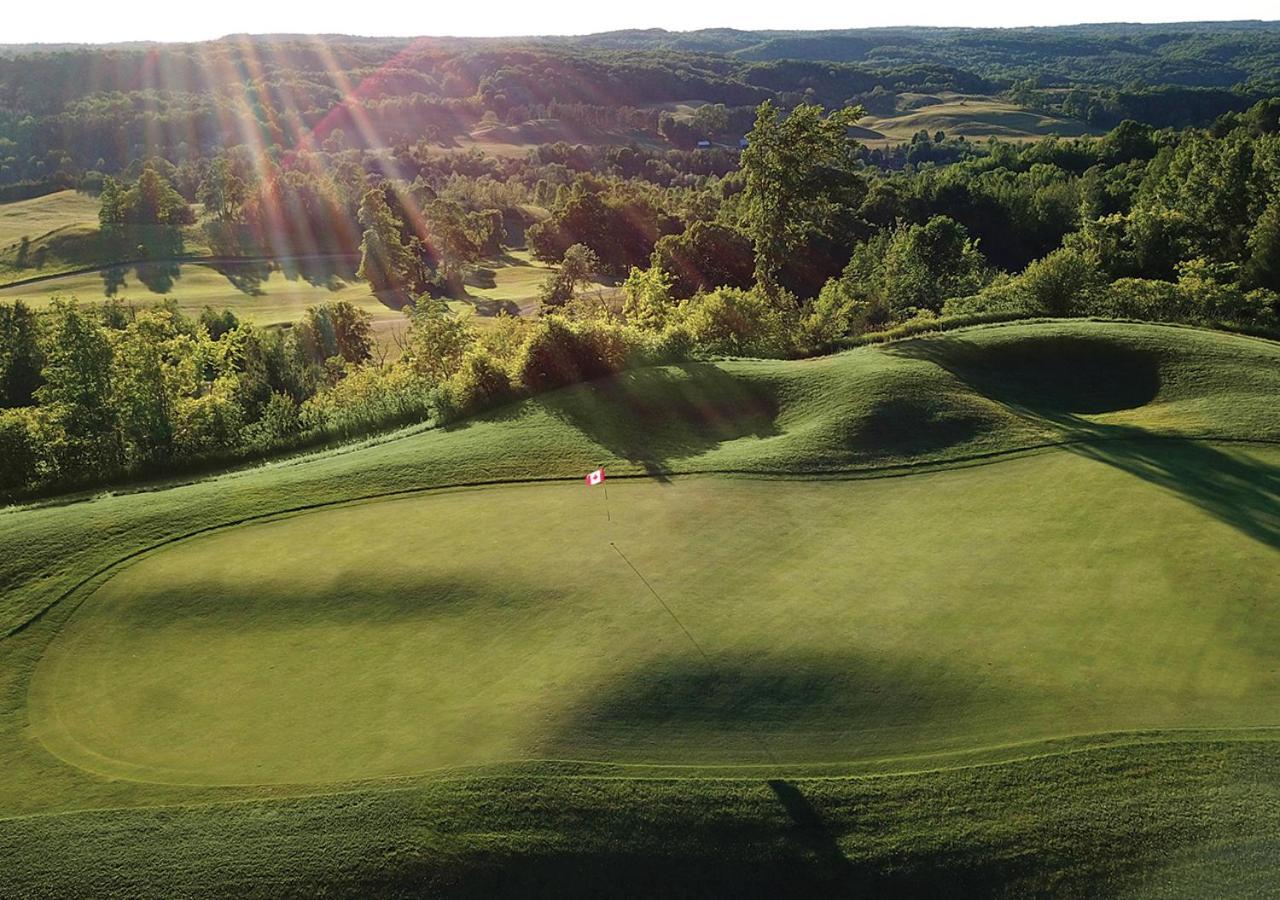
[[38, 216], [844, 625], [974, 117]]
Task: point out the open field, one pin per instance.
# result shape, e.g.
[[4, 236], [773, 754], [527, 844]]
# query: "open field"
[[272, 294], [759, 660], [976, 117], [38, 216]]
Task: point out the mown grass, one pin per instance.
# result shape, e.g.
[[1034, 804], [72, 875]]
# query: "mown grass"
[[38, 216], [974, 117], [1118, 582], [265, 294]]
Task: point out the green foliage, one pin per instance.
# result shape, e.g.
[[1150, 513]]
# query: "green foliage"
[[151, 200], [909, 269], [479, 383], [1263, 266], [736, 322], [620, 224], [222, 191], [386, 262], [648, 302], [558, 353], [21, 357], [577, 265], [706, 255], [437, 339], [799, 172]]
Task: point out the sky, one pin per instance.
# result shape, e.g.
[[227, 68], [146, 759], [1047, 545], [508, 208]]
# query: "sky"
[[77, 21]]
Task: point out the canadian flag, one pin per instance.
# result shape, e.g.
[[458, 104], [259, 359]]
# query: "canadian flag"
[[596, 477]]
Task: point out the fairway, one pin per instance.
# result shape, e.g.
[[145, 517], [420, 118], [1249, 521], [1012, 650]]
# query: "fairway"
[[261, 293], [974, 116], [38, 216], [499, 624]]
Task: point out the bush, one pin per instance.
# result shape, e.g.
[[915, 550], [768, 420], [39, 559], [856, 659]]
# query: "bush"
[[208, 425], [1141, 298], [734, 322], [19, 454], [480, 383], [556, 355], [368, 399], [278, 425]]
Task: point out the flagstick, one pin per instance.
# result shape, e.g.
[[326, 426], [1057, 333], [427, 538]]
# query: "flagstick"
[[607, 517]]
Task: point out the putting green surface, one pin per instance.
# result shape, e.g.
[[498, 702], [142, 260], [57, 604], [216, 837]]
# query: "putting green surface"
[[798, 622]]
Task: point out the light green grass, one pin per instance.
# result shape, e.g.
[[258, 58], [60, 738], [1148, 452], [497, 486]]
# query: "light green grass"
[[264, 294], [843, 621], [38, 216], [974, 117], [1110, 589]]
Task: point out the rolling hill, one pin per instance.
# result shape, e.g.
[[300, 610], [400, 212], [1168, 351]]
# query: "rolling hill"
[[892, 617]]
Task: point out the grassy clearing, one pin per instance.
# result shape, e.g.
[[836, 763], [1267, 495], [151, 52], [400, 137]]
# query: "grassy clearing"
[[974, 117], [1117, 582]]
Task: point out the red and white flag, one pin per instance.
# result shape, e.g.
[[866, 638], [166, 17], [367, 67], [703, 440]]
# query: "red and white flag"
[[596, 477]]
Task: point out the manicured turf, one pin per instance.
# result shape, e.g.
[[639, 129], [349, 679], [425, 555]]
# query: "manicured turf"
[[275, 294], [976, 117], [38, 216], [257, 292], [1089, 620], [840, 621]]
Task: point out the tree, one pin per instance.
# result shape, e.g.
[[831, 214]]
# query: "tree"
[[799, 172], [575, 271], [222, 192], [1263, 266], [707, 255], [337, 330], [385, 261], [437, 338], [20, 355], [77, 390], [457, 237], [648, 302]]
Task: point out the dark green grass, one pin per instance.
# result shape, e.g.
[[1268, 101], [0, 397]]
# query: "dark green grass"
[[1175, 813]]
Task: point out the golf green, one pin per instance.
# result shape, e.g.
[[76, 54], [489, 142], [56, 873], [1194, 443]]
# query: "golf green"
[[688, 620]]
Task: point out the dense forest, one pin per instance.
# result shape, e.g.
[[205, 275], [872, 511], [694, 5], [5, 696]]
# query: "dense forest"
[[783, 235]]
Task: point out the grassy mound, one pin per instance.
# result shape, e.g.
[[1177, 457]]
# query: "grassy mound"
[[209, 713]]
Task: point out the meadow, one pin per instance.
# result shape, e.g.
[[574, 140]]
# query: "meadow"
[[973, 116], [982, 611]]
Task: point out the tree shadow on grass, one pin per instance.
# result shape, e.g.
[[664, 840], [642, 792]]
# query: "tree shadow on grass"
[[652, 417], [1047, 375], [1062, 379], [1234, 488], [331, 272], [765, 702], [246, 277]]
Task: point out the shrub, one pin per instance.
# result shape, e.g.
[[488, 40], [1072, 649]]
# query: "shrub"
[[556, 355], [370, 398], [279, 423], [734, 322], [1140, 298], [208, 425], [19, 454], [480, 383]]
